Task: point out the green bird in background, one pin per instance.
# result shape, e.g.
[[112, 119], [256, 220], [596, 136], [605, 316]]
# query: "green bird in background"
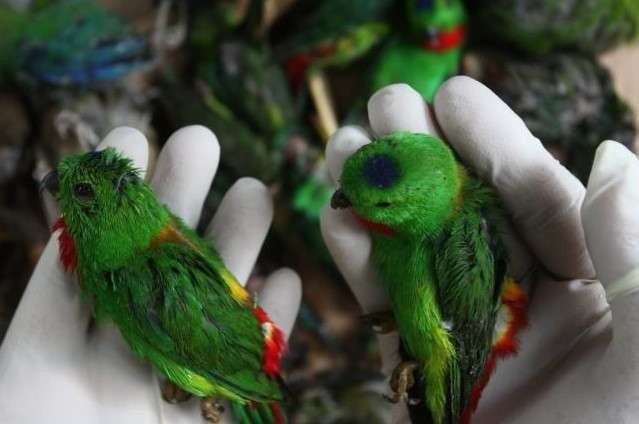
[[333, 33], [168, 291], [430, 50], [539, 27], [438, 249]]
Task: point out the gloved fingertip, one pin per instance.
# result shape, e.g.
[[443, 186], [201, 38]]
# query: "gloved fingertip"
[[129, 142], [610, 158], [398, 107], [281, 297], [343, 143], [608, 212]]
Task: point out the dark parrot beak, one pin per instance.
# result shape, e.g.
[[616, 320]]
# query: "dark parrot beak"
[[50, 183], [340, 201]]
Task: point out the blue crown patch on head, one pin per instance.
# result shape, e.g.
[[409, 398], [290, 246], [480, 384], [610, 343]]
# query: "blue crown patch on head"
[[381, 171], [425, 4]]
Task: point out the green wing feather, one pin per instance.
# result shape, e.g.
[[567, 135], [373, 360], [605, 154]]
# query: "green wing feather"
[[470, 267], [174, 308]]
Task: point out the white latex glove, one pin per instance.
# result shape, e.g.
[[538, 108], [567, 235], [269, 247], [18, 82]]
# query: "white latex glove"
[[55, 369], [568, 370]]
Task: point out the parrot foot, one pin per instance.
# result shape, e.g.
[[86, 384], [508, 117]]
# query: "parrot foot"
[[211, 409], [174, 394], [382, 322], [402, 380]]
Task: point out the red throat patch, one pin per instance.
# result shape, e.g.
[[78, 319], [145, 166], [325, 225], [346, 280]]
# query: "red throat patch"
[[274, 344], [446, 40], [374, 226], [297, 65], [66, 245]]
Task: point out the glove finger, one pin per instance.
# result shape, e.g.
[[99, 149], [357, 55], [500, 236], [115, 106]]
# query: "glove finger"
[[609, 212], [399, 107], [51, 316], [350, 246], [543, 198], [130, 143], [343, 143], [280, 297], [241, 224], [184, 171], [50, 207], [562, 315]]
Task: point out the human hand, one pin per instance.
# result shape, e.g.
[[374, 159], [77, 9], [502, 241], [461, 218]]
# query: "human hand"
[[568, 312], [54, 367]]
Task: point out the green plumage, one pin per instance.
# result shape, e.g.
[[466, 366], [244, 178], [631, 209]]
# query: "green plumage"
[[540, 26], [420, 56], [438, 251], [335, 32], [173, 308], [167, 290], [408, 63]]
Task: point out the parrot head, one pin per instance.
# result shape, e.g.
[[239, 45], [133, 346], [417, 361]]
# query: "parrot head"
[[440, 23], [404, 183], [108, 211]]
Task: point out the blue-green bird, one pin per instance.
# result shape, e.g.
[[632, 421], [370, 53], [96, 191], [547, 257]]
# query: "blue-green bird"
[[70, 43], [438, 250]]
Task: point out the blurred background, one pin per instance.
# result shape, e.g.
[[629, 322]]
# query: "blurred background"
[[273, 79]]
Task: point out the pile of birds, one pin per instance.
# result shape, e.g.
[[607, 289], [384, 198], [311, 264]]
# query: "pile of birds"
[[273, 79]]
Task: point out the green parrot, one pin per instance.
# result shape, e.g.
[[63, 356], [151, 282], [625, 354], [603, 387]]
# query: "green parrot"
[[166, 289], [333, 33], [438, 250], [430, 51]]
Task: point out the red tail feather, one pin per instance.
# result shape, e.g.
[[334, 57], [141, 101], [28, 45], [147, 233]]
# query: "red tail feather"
[[515, 301], [274, 343], [278, 413]]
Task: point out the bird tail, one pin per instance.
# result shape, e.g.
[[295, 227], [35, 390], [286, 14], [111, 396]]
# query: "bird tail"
[[259, 413]]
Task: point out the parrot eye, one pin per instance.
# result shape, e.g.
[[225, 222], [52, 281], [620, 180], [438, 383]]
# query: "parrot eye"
[[83, 191], [424, 4], [381, 171]]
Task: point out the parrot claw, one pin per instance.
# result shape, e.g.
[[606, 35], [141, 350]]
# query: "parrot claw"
[[382, 322], [401, 382], [173, 394], [211, 409]]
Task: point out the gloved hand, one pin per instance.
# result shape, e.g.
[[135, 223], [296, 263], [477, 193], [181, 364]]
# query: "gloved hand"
[[568, 369], [54, 368]]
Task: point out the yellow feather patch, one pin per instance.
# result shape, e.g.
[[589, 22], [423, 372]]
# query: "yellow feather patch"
[[170, 233], [238, 292], [511, 318]]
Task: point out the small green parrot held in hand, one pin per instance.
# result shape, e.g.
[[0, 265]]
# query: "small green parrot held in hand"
[[438, 250], [167, 290]]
